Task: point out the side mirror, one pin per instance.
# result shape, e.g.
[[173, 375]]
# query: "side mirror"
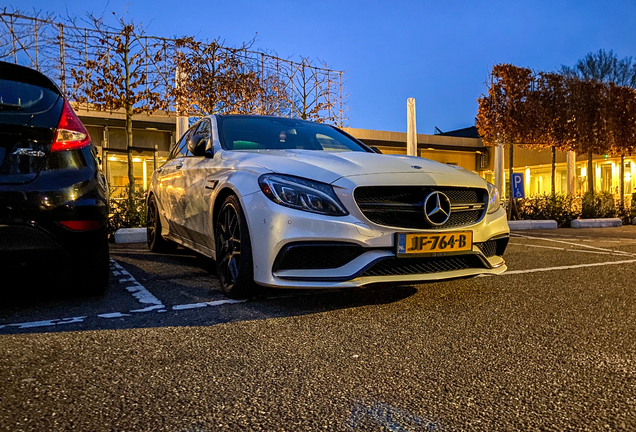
[[197, 145], [375, 149], [209, 149]]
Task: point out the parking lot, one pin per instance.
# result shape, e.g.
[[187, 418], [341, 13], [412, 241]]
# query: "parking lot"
[[549, 345]]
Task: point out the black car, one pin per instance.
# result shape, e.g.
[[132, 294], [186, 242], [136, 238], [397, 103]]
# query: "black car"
[[53, 196]]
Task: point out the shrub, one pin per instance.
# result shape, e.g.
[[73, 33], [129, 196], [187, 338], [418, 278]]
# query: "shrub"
[[598, 205], [126, 211], [562, 208]]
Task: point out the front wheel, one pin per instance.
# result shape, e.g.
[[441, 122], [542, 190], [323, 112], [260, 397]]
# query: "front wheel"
[[234, 266]]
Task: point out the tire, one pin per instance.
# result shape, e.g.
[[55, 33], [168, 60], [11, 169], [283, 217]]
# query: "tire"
[[156, 242], [92, 274], [234, 265]]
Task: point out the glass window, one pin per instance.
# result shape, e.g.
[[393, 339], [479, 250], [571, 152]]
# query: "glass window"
[[203, 128], [25, 98], [180, 149], [274, 133]]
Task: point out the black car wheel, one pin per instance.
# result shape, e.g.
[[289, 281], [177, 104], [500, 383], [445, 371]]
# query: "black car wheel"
[[234, 266], [156, 242], [91, 276]]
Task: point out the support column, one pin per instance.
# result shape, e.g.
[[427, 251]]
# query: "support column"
[[499, 168], [105, 162], [182, 121], [571, 173], [411, 129]]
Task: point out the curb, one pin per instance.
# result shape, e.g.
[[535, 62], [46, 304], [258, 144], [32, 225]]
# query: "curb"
[[130, 235], [596, 223], [532, 224]]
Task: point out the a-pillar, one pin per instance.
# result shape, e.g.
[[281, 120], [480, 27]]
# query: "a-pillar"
[[499, 169], [571, 173]]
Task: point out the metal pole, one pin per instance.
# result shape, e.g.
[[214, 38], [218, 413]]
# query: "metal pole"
[[499, 169], [15, 52], [62, 60], [341, 107], [105, 155], [154, 158], [37, 66], [262, 83], [86, 65]]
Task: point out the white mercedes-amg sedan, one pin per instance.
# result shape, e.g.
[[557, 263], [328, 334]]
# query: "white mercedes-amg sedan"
[[288, 203]]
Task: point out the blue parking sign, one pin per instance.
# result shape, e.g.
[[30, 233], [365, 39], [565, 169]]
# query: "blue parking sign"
[[518, 189]]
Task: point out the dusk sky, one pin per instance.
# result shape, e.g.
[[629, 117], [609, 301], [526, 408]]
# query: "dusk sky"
[[439, 52]]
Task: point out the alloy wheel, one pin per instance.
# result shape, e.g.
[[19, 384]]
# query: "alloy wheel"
[[228, 240]]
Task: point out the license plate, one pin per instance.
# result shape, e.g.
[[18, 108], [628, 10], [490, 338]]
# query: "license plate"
[[434, 243]]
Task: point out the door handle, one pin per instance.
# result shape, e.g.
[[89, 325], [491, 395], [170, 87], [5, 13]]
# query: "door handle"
[[160, 170], [178, 166]]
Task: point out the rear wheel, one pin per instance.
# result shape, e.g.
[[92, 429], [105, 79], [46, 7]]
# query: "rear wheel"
[[234, 266], [156, 242], [91, 275]]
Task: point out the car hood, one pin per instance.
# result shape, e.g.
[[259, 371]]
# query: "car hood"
[[328, 167]]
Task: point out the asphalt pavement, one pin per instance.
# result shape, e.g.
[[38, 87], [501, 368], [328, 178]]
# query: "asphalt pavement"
[[549, 345]]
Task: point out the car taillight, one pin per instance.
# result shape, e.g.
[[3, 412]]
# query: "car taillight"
[[71, 133], [81, 225]]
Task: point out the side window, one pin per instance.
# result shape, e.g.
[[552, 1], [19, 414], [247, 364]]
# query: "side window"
[[204, 128], [182, 145], [201, 128], [175, 152]]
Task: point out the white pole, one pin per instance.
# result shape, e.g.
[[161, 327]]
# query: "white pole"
[[411, 129], [182, 121], [571, 173], [499, 168]]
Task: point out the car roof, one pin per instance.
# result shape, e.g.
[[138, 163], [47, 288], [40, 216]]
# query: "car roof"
[[264, 116], [14, 72]]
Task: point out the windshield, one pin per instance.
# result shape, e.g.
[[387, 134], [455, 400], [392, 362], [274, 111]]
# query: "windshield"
[[274, 133]]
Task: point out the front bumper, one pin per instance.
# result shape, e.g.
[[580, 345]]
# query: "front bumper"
[[273, 227]]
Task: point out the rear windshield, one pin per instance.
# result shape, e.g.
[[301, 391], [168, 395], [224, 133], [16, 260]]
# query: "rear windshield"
[[267, 133], [24, 98]]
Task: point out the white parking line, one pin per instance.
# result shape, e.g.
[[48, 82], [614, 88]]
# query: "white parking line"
[[568, 250], [204, 304], [138, 290], [576, 244], [545, 269]]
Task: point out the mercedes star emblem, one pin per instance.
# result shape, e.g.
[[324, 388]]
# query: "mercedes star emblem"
[[437, 208]]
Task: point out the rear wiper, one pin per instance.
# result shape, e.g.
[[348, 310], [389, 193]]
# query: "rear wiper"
[[10, 107]]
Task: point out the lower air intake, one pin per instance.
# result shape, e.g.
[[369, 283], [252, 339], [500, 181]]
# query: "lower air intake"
[[414, 266]]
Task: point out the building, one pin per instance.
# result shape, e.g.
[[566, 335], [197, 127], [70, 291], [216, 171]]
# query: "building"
[[153, 136]]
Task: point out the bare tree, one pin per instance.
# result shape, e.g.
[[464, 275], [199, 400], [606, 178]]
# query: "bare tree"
[[604, 67], [113, 74], [215, 79]]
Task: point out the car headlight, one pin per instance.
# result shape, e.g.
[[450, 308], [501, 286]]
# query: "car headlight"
[[301, 194], [493, 198]]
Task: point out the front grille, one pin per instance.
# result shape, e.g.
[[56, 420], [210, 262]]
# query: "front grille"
[[316, 255], [413, 266], [403, 206]]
